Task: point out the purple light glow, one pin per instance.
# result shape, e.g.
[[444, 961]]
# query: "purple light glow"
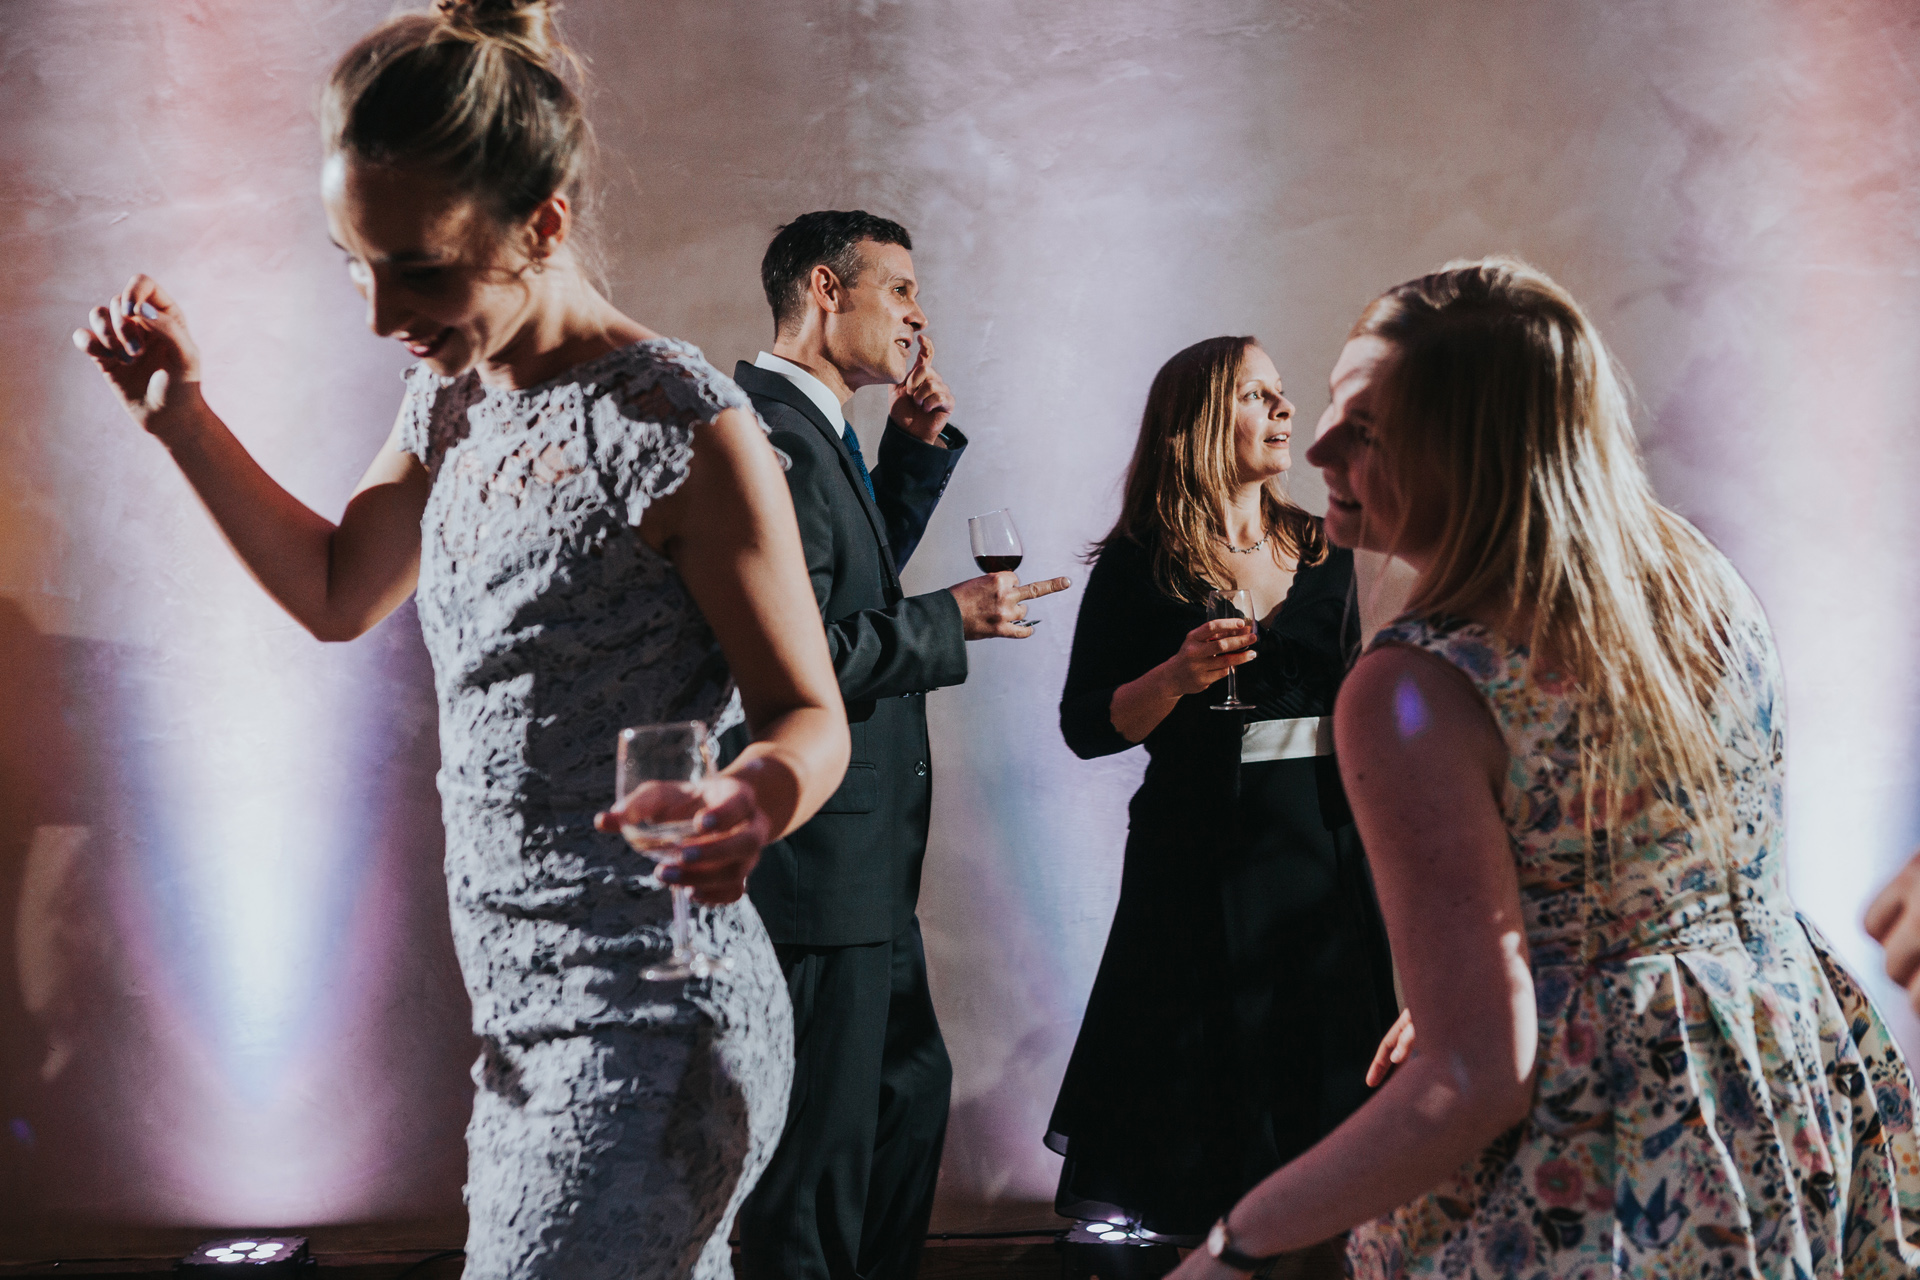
[[1410, 713]]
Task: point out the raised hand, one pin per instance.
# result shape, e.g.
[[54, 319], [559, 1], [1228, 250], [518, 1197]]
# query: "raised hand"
[[733, 830], [922, 403], [139, 342], [995, 604]]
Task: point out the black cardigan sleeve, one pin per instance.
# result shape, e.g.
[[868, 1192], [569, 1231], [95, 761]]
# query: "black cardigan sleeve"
[[1114, 641]]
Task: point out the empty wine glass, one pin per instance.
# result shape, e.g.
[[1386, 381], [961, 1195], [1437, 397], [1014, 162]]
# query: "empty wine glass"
[[1230, 604], [675, 752]]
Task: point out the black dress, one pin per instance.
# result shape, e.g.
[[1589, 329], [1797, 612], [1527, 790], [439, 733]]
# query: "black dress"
[[1246, 980]]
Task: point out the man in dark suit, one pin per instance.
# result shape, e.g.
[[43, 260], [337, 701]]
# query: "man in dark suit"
[[850, 1189]]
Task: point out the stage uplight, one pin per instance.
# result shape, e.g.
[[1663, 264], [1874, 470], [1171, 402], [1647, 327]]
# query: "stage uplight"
[[256, 1256], [1096, 1250]]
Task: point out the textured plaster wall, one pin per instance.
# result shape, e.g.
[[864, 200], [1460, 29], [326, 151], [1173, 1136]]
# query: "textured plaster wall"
[[225, 988]]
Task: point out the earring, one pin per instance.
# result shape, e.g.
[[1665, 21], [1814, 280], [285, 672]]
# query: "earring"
[[539, 265]]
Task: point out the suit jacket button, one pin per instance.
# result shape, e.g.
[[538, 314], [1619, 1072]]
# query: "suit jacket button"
[[920, 769]]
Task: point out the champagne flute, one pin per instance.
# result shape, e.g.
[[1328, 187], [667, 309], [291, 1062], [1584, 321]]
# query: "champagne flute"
[[1230, 604], [996, 546], [676, 752]]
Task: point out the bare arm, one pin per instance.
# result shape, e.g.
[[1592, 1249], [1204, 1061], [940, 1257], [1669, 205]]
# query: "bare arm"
[[730, 530], [1427, 803], [336, 580], [1209, 650]]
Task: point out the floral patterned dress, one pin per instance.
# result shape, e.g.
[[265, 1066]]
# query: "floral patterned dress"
[[1716, 1095]]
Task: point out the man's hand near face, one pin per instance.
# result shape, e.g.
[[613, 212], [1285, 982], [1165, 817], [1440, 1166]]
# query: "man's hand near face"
[[921, 402]]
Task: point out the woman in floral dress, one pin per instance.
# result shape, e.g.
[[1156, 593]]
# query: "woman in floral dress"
[[1566, 762]]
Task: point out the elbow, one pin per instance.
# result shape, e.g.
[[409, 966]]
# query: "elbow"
[[1494, 1096], [1507, 1100], [335, 630]]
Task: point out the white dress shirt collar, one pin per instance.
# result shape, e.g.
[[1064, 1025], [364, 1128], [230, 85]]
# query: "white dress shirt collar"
[[814, 389]]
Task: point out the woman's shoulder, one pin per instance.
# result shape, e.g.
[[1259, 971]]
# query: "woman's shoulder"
[[1124, 565], [1482, 654], [662, 380]]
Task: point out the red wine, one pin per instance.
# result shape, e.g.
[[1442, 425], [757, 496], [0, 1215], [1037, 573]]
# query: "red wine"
[[997, 564]]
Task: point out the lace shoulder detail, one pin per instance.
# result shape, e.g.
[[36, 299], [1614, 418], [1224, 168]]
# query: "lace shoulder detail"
[[646, 401], [433, 416]]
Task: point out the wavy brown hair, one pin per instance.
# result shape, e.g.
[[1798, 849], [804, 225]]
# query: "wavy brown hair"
[[1183, 467], [1503, 400]]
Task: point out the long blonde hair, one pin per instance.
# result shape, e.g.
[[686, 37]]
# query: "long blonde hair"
[[1503, 399], [1182, 470]]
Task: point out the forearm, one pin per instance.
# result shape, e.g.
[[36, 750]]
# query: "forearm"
[[1140, 705], [794, 765], [285, 544], [912, 646], [1429, 1119]]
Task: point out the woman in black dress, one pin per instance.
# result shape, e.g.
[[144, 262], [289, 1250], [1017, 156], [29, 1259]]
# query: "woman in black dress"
[[1235, 1011]]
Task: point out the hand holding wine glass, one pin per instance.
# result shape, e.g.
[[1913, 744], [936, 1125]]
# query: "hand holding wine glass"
[[1231, 605], [1210, 650], [996, 604], [704, 830]]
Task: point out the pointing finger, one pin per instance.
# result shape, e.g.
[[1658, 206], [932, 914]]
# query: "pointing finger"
[[1034, 590]]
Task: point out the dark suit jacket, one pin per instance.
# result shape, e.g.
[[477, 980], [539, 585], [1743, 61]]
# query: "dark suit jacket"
[[852, 874]]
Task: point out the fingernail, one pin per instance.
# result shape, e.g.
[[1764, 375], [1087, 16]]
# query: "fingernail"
[[709, 821], [135, 348], [671, 875]]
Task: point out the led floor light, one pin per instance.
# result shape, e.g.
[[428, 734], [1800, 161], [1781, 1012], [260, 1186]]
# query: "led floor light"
[[1096, 1250], [253, 1256]]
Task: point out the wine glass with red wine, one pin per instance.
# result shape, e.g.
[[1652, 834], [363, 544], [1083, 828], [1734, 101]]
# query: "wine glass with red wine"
[[996, 546], [996, 543]]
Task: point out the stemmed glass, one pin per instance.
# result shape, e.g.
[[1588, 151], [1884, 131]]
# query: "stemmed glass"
[[996, 543], [676, 752], [1230, 604], [996, 546]]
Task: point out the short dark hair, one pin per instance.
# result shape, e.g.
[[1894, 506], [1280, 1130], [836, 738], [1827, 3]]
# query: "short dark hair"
[[827, 237]]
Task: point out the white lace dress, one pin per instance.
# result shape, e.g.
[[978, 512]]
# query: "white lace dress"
[[619, 1123]]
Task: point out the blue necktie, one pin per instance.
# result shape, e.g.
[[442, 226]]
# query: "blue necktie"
[[852, 442]]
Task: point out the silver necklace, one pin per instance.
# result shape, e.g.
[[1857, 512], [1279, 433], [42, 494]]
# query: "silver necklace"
[[1247, 551]]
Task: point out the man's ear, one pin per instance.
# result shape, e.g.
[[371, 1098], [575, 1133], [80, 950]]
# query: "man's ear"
[[825, 289]]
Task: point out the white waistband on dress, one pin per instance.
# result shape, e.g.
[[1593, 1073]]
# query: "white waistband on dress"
[[1286, 739]]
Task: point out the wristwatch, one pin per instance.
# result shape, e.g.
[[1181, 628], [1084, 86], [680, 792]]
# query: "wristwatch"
[[1220, 1247]]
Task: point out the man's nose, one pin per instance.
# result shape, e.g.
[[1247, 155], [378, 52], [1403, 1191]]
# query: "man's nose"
[[916, 318]]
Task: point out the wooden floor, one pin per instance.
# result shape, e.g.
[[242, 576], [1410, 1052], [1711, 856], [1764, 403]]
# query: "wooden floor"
[[389, 1251], [944, 1260]]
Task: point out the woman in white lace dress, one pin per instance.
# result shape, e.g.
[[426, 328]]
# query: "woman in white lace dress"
[[600, 536]]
